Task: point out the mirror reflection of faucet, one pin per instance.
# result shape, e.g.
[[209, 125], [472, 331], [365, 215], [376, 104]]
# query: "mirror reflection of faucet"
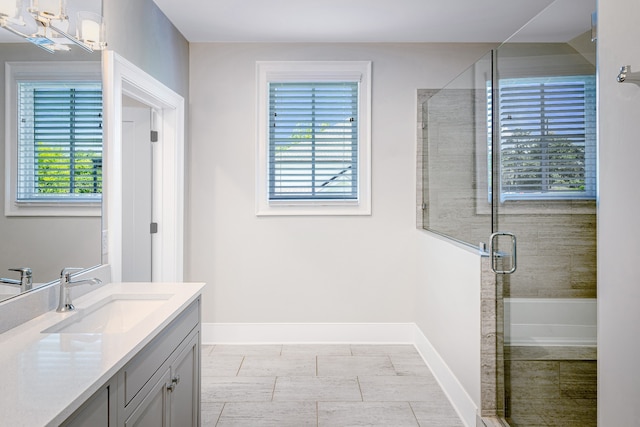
[[25, 283], [65, 303]]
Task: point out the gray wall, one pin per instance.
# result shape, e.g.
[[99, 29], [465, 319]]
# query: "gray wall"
[[618, 225], [305, 269], [138, 31]]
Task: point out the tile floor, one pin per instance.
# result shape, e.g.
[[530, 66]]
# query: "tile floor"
[[321, 385]]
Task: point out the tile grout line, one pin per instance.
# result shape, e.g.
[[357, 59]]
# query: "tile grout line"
[[414, 414], [220, 414], [392, 365], [359, 387], [240, 367], [273, 391]]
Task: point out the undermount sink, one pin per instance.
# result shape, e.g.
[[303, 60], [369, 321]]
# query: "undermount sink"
[[111, 315]]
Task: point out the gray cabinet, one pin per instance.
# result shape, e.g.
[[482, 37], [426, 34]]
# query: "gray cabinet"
[[97, 411], [185, 394], [173, 400], [159, 386], [154, 409]]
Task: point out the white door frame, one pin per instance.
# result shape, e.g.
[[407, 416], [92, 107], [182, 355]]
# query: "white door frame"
[[120, 77]]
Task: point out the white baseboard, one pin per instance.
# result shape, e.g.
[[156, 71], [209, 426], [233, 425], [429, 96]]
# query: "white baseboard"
[[458, 396], [324, 333], [280, 333]]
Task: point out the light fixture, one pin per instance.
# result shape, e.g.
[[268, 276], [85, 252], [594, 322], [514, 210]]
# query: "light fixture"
[[9, 12], [46, 24]]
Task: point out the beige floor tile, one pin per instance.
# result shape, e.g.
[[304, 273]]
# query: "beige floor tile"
[[278, 366], [206, 350], [317, 349], [352, 366], [412, 365], [321, 385], [436, 413], [269, 414], [237, 389], [221, 366], [399, 389], [319, 389], [210, 412], [371, 414]]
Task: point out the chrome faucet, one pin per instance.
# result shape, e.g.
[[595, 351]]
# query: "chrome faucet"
[[65, 304], [25, 283]]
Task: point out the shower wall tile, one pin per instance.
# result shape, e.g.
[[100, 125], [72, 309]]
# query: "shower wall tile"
[[578, 379], [556, 239], [551, 386]]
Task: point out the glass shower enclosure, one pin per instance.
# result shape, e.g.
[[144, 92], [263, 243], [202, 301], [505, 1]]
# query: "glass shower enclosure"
[[508, 167]]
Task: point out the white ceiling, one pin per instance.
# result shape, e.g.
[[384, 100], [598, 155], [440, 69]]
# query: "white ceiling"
[[371, 20]]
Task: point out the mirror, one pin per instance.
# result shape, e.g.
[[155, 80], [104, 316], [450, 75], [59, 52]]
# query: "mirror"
[[47, 239]]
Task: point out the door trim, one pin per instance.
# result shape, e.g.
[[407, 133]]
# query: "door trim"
[[121, 77]]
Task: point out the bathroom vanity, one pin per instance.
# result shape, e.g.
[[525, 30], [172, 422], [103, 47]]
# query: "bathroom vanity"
[[128, 355]]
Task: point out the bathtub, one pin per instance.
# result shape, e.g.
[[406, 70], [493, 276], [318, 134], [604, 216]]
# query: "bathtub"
[[550, 321]]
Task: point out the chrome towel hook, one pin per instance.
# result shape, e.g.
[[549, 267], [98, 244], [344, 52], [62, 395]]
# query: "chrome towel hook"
[[626, 75]]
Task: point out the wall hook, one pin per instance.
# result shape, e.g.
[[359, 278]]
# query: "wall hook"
[[626, 75]]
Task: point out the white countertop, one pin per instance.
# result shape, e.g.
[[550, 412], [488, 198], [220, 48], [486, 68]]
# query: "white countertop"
[[45, 377]]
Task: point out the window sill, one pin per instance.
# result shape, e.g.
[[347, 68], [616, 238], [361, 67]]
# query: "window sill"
[[308, 208], [60, 209]]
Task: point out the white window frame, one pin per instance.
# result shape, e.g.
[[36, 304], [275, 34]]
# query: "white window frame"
[[314, 71], [39, 71]]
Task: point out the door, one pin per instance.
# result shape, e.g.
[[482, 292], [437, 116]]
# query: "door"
[[543, 191], [153, 411], [185, 394], [137, 162]]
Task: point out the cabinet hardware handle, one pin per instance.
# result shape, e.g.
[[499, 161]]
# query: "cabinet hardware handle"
[[176, 379], [171, 386]]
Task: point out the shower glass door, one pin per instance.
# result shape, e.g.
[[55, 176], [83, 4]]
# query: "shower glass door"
[[509, 147], [543, 189]]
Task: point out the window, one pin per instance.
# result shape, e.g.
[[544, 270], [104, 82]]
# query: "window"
[[313, 153], [54, 146], [547, 138], [60, 142]]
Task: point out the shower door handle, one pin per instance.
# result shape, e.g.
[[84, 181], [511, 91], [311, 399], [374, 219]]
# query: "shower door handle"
[[495, 256]]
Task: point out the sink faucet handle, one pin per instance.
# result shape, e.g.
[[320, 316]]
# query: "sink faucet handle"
[[25, 271], [25, 277], [66, 272]]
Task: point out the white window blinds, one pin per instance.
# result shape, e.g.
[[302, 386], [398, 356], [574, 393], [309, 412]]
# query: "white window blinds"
[[547, 138], [313, 141], [59, 141]]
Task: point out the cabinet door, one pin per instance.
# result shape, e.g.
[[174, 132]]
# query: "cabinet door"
[[95, 412], [185, 396], [153, 411]]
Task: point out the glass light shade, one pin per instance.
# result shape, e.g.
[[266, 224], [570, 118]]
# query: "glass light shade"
[[90, 28], [50, 9], [9, 9]]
